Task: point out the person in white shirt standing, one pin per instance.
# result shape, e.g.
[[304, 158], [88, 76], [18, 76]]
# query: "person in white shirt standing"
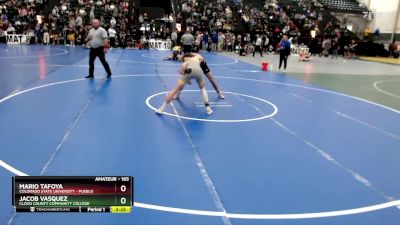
[[46, 36], [112, 34], [187, 41], [258, 46], [113, 22], [266, 44], [78, 21], [174, 38], [221, 41]]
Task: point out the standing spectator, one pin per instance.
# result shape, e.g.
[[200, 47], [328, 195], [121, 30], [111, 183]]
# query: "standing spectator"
[[205, 40], [246, 39], [39, 33], [64, 35], [80, 36], [54, 34], [265, 44], [313, 46], [229, 41], [141, 19], [209, 46], [396, 48], [284, 51], [199, 38], [352, 49], [187, 41], [326, 45], [319, 48], [391, 49], [71, 37], [233, 40], [335, 48], [78, 21], [91, 13], [2, 37], [377, 33], [221, 41], [238, 40], [46, 36], [259, 46], [55, 11], [174, 38], [112, 34], [214, 41], [72, 22], [113, 22]]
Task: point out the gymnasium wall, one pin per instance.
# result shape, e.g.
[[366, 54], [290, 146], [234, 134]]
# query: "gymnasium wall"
[[385, 15]]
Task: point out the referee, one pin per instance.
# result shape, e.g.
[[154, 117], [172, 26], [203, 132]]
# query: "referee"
[[99, 45], [187, 41]]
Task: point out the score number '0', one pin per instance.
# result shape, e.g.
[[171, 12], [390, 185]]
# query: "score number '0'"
[[123, 189]]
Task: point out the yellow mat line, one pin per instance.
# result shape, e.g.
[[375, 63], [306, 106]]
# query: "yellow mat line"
[[382, 59]]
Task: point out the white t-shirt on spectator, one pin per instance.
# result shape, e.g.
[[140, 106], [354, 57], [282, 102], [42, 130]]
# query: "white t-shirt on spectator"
[[78, 21], [266, 41], [113, 22], [72, 22], [286, 29], [174, 36], [199, 38], [221, 38], [258, 41], [111, 32], [10, 30], [91, 14], [54, 11]]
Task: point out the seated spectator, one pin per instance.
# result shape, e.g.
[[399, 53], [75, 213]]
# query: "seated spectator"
[[352, 49], [10, 29], [243, 50]]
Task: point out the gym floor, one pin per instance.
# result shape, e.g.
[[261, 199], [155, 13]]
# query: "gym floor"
[[319, 144]]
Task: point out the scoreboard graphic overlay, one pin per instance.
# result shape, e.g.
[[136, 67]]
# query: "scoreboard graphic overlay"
[[73, 194]]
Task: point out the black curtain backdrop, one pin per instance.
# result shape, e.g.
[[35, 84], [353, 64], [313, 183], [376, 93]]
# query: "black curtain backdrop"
[[165, 4]]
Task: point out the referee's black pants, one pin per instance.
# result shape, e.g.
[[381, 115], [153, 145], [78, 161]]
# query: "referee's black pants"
[[259, 49], [98, 52], [187, 48]]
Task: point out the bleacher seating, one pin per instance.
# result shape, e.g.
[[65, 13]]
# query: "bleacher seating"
[[345, 6]]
